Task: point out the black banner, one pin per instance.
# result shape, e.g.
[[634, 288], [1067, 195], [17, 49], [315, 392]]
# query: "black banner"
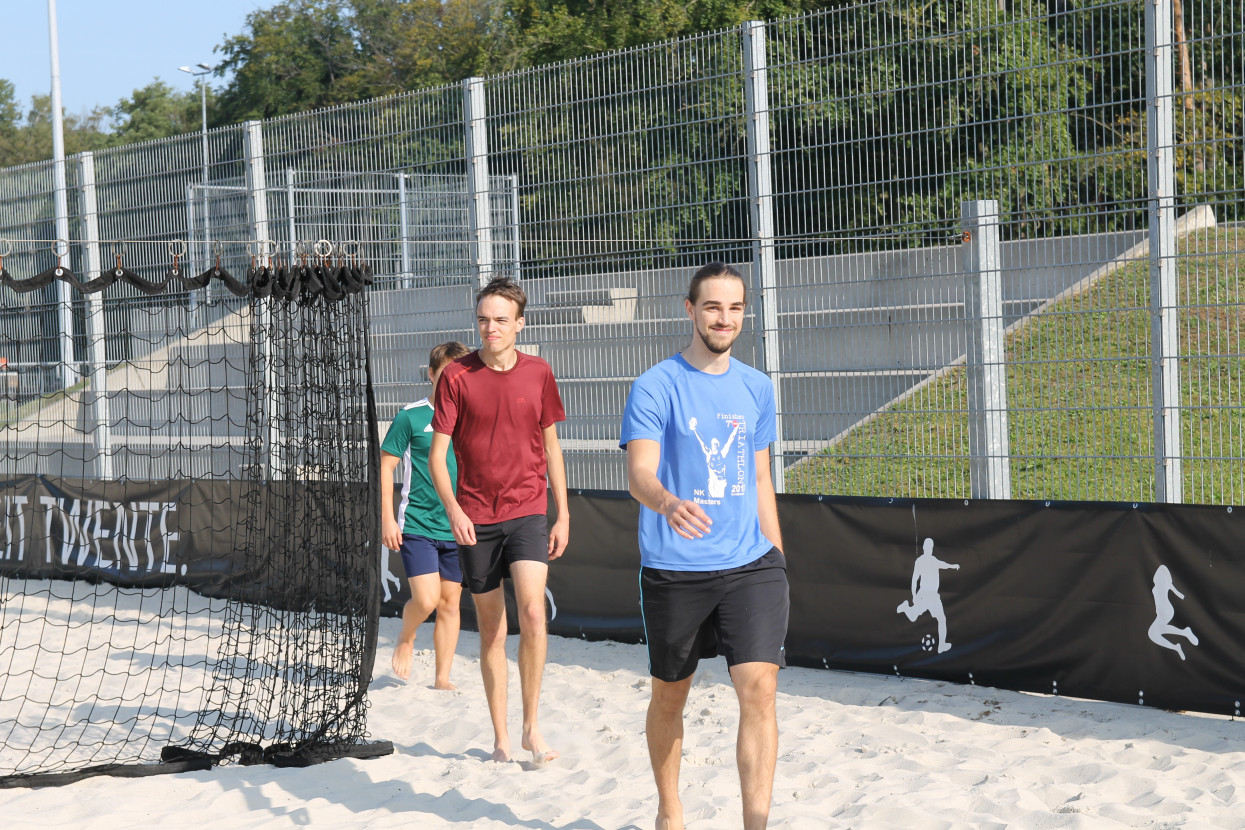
[[283, 544], [1136, 603]]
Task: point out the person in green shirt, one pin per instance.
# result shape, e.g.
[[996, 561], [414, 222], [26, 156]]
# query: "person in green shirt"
[[424, 539]]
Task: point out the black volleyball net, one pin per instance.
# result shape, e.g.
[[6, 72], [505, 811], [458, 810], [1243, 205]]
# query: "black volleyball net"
[[187, 477]]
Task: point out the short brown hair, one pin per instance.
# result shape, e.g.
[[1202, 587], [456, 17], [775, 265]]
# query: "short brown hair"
[[504, 287], [711, 271], [443, 354]]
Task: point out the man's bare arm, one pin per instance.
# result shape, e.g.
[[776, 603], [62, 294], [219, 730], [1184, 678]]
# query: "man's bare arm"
[[463, 528], [560, 533], [390, 529], [767, 501], [686, 518]]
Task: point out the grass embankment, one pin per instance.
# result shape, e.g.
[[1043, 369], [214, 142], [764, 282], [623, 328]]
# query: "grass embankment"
[[1080, 422]]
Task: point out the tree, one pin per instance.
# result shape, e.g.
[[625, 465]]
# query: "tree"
[[29, 138], [303, 54], [544, 31], [291, 58], [156, 111]]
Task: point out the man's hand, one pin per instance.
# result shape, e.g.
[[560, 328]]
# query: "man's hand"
[[559, 536], [390, 533], [463, 528], [687, 518]]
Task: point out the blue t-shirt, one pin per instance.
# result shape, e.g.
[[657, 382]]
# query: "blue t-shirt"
[[709, 428]]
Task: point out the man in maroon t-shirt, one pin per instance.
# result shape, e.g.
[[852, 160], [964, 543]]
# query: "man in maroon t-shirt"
[[501, 408]]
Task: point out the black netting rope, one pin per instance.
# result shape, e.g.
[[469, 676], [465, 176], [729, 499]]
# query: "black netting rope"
[[255, 425], [327, 278]]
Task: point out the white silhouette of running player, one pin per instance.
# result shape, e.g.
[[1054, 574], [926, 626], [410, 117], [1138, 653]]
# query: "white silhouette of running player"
[[925, 596], [715, 459], [1161, 628], [386, 574]]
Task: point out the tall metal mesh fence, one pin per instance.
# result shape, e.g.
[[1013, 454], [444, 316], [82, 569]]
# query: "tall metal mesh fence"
[[831, 158]]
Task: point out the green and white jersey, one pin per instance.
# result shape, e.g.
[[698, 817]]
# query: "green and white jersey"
[[410, 438]]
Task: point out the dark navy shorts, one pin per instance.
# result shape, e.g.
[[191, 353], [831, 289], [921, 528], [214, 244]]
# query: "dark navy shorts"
[[740, 613], [421, 555], [487, 562]]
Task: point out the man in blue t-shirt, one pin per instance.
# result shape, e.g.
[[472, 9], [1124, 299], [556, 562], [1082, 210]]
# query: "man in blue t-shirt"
[[713, 579]]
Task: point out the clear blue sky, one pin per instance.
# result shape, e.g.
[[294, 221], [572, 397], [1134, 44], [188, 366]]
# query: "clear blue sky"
[[109, 48]]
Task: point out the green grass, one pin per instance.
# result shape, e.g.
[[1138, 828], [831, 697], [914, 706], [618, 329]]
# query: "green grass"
[[1078, 384]]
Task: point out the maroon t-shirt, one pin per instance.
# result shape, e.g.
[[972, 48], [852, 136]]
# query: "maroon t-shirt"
[[496, 419]]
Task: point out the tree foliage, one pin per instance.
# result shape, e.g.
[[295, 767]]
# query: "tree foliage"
[[26, 136]]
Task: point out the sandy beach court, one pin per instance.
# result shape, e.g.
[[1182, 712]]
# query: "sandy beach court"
[[857, 751]]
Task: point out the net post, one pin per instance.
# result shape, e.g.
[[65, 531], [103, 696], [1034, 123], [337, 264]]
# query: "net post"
[[257, 200], [761, 211], [989, 449], [479, 197], [97, 353], [1164, 286]]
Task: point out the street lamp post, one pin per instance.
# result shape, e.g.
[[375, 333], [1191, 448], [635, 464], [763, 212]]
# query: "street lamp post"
[[204, 70]]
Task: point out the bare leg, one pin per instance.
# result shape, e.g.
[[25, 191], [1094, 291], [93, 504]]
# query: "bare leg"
[[529, 588], [664, 730], [491, 616], [756, 751], [423, 599], [445, 635]]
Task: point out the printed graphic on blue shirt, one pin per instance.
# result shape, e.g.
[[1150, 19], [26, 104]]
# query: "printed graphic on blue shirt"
[[718, 453], [709, 429]]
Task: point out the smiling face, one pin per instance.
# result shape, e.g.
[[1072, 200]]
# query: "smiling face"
[[499, 324], [718, 313]]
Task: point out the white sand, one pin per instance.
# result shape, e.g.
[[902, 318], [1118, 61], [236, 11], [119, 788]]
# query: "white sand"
[[857, 751]]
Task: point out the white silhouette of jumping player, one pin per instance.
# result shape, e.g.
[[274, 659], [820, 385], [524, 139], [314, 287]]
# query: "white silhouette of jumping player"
[[1162, 628], [715, 459], [925, 596]]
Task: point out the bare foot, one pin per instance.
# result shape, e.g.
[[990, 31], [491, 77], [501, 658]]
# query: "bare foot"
[[541, 753], [401, 662], [670, 821], [445, 686], [500, 755]]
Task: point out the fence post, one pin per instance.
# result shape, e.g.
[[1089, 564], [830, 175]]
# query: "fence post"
[[515, 250], [479, 203], [1164, 287], [291, 179], [97, 353], [404, 232], [761, 212], [257, 199], [64, 295], [989, 450]]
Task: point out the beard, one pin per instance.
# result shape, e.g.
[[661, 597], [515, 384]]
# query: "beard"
[[717, 342]]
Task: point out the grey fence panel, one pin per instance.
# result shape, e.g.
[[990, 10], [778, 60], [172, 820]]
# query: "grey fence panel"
[[630, 172], [1209, 116], [887, 119]]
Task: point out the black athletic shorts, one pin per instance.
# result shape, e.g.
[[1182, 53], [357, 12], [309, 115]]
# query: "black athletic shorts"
[[486, 563], [740, 613]]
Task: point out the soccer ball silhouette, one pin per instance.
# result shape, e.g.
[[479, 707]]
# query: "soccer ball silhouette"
[[928, 642]]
